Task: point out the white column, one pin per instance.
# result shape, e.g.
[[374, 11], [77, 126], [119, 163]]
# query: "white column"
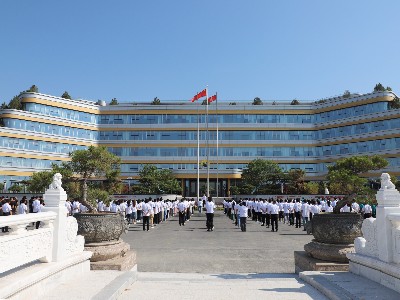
[[54, 200], [388, 203]]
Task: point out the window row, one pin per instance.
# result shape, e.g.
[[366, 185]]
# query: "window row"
[[38, 145], [256, 135], [50, 129], [60, 112], [348, 148]]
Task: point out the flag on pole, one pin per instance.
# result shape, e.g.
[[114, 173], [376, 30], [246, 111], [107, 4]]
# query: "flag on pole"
[[212, 98], [202, 94]]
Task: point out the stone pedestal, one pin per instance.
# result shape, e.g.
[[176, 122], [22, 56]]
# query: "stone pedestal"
[[329, 252], [112, 255], [304, 262]]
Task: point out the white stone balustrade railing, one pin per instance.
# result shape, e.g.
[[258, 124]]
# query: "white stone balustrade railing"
[[21, 246]]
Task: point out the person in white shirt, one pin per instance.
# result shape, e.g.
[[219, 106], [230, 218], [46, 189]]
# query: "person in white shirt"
[[68, 206], [243, 210], [75, 207], [210, 214], [181, 211], [305, 213], [100, 206], [128, 211], [23, 208], [345, 208], [274, 210], [83, 208], [139, 211], [36, 208], [6, 208], [146, 209], [367, 211], [355, 208], [297, 212], [122, 208], [114, 207]]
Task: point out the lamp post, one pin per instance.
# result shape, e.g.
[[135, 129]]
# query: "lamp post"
[[129, 184]]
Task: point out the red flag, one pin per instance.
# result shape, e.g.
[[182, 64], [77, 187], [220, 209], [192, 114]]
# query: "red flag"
[[212, 98], [202, 94]]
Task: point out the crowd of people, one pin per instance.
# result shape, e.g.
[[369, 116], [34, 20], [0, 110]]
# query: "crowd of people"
[[152, 212], [11, 206], [294, 212]]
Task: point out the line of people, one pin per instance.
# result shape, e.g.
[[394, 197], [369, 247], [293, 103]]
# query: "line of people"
[[294, 212]]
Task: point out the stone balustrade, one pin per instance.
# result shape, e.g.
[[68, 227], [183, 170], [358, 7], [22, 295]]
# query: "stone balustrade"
[[21, 246], [377, 255]]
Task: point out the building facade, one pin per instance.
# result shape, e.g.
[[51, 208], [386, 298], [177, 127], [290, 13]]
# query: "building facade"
[[305, 136]]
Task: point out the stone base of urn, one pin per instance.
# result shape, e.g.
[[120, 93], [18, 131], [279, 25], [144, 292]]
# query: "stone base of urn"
[[112, 255], [329, 252], [304, 262]]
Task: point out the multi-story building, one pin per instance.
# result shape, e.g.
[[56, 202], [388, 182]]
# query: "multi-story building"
[[305, 136]]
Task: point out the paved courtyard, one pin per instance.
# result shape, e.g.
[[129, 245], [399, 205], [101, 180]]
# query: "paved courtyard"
[[191, 249]]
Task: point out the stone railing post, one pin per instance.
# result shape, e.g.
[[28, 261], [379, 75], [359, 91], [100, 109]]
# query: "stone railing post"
[[388, 199], [54, 199]]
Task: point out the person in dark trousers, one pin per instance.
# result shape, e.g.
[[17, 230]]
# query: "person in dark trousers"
[[274, 210], [297, 213], [182, 211], [146, 210], [210, 214], [243, 210]]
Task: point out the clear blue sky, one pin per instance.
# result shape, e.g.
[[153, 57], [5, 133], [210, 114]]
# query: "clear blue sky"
[[137, 50]]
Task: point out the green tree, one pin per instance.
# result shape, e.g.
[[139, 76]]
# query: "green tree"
[[395, 104], [262, 175], [16, 188], [295, 102], [65, 95], [15, 103], [295, 181], [114, 101], [97, 194], [40, 181], [321, 188], [94, 161], [257, 101], [33, 89], [1, 187], [232, 103], [4, 106], [345, 175], [168, 184], [154, 181], [346, 94], [379, 88], [311, 188], [204, 102], [156, 101]]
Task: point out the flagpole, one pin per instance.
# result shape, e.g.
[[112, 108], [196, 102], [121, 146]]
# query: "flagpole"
[[208, 148], [216, 97], [198, 154]]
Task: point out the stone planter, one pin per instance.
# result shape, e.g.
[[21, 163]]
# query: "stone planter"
[[102, 233], [340, 228], [99, 227], [334, 236]]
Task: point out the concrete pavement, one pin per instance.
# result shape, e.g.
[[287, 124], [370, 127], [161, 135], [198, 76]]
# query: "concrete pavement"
[[172, 248]]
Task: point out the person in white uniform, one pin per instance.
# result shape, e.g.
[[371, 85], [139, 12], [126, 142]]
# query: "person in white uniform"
[[210, 214]]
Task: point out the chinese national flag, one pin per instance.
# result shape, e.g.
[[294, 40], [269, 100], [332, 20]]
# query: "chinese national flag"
[[212, 98], [202, 94]]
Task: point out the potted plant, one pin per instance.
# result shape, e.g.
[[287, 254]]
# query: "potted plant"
[[334, 233]]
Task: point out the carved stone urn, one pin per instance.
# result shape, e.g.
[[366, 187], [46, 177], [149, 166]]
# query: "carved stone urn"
[[334, 236], [100, 227], [102, 232]]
